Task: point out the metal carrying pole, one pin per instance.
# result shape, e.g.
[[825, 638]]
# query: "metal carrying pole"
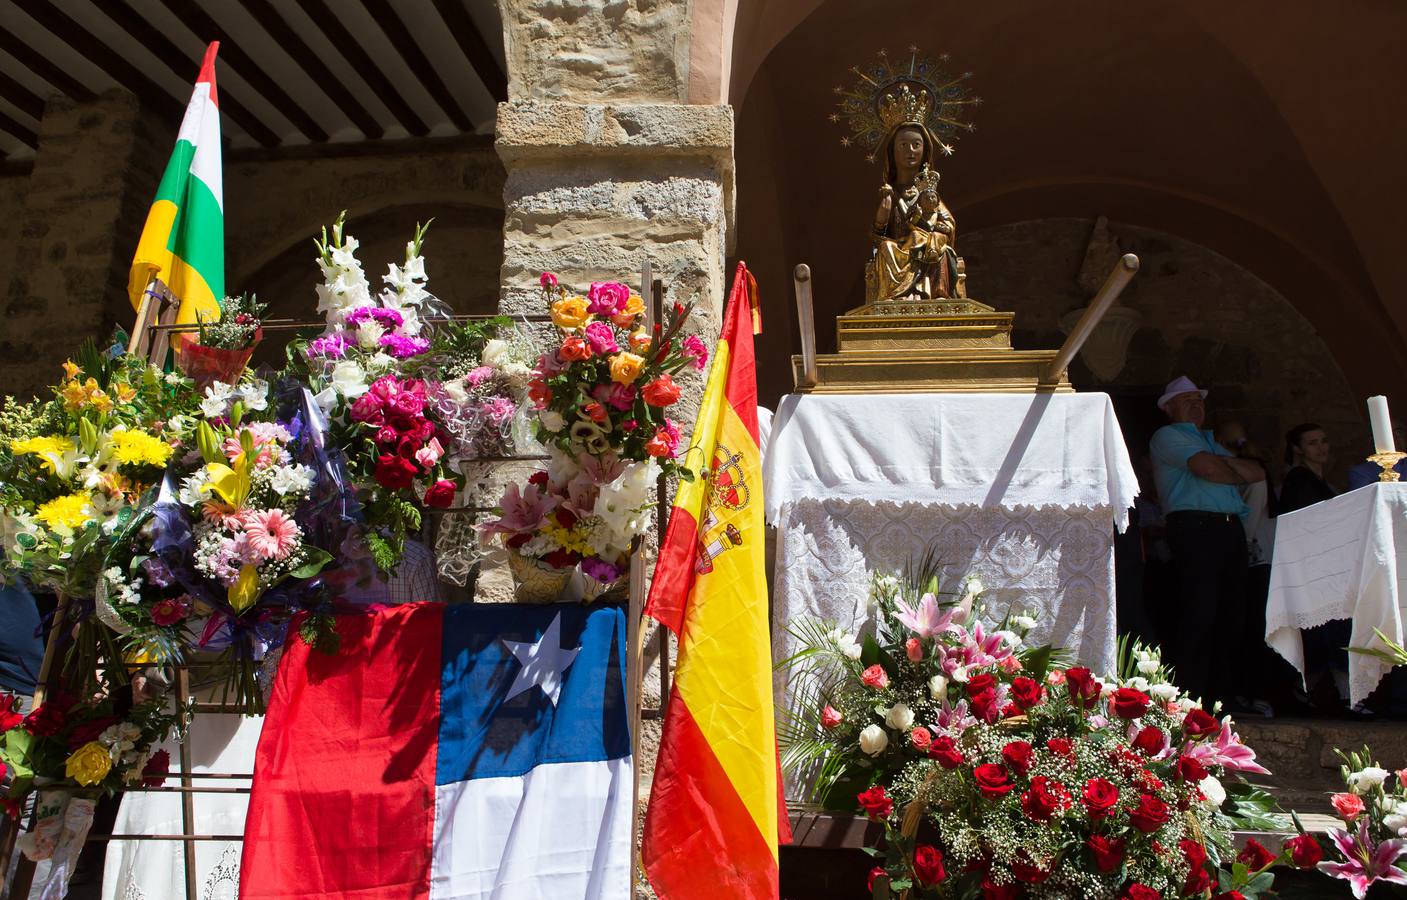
[[806, 319], [1108, 293]]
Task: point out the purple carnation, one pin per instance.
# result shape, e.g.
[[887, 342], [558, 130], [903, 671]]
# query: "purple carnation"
[[387, 318], [331, 346], [403, 347]]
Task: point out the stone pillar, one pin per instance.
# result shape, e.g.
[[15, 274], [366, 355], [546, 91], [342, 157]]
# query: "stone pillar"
[[93, 178]]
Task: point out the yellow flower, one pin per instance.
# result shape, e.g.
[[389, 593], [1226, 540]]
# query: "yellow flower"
[[640, 340], [137, 448], [570, 539], [70, 511], [89, 764], [625, 367], [73, 394], [42, 445], [99, 400], [71, 370], [570, 312], [125, 392]]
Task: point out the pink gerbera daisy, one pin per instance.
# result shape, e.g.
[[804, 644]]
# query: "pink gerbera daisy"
[[272, 534]]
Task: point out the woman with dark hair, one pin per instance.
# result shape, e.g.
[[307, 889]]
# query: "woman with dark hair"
[[1306, 453]]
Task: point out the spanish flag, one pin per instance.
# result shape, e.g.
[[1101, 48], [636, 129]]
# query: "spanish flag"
[[183, 241], [715, 815]]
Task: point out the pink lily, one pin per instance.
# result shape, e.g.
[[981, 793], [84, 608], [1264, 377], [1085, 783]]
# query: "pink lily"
[[954, 719], [1364, 863], [1227, 751], [926, 621], [522, 512]]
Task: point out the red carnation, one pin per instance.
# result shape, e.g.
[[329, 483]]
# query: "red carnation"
[[1150, 740], [945, 750], [1127, 703], [1082, 687], [394, 472], [1150, 814], [1255, 855], [1108, 852], [1189, 770], [1044, 799], [992, 781], [1138, 891], [928, 864], [440, 494], [1100, 797], [1199, 723], [661, 392], [1026, 692], [1305, 851], [156, 769], [876, 803], [1017, 754], [538, 478], [45, 720]]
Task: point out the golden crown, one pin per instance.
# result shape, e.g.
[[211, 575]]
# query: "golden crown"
[[918, 90]]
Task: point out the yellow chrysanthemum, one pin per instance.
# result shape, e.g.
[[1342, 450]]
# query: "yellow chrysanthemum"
[[70, 511], [570, 539], [89, 764], [43, 444], [137, 448]]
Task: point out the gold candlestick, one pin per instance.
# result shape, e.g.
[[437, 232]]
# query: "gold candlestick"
[[1388, 463]]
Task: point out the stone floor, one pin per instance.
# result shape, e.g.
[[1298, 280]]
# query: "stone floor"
[[1300, 754]]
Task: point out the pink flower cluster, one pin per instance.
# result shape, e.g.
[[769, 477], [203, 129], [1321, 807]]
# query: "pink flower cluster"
[[407, 440]]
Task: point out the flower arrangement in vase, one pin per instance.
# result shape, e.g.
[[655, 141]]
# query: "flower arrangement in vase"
[[220, 349], [602, 394], [1372, 845], [997, 773]]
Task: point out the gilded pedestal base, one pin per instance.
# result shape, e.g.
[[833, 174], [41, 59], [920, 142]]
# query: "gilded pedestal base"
[[932, 371]]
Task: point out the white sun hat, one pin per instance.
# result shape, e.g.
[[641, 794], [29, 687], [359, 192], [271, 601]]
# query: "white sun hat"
[[1179, 385]]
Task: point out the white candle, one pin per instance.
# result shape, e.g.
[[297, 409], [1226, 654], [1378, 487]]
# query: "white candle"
[[1382, 425]]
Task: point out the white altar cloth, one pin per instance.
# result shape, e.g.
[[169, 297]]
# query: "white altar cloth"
[[1023, 491], [1341, 559]]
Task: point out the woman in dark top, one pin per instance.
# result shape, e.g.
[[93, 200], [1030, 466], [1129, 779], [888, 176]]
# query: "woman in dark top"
[[1306, 452]]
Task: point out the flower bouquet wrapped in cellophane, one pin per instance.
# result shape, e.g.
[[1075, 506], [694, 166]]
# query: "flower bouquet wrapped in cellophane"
[[999, 771]]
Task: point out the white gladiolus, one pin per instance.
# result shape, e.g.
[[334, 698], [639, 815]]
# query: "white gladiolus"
[[1213, 791], [1364, 780], [899, 717], [938, 687], [873, 740]]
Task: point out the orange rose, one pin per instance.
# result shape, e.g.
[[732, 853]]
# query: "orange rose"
[[570, 312], [640, 341], [626, 367], [661, 392], [575, 349], [539, 393], [634, 308]]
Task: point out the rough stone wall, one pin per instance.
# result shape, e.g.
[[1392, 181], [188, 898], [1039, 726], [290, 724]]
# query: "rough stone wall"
[[70, 248], [1203, 316]]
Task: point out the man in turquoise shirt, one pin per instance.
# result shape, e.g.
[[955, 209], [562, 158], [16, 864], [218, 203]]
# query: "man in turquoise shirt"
[[1198, 485]]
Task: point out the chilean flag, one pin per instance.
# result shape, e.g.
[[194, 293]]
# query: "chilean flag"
[[474, 751]]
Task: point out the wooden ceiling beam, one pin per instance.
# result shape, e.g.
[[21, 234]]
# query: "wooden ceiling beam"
[[40, 65], [23, 99], [473, 45], [405, 44], [298, 50], [18, 131], [161, 46], [200, 22], [342, 39]]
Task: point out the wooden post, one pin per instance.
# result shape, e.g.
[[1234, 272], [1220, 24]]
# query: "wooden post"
[[647, 283], [183, 696], [635, 683], [806, 319], [1108, 293]]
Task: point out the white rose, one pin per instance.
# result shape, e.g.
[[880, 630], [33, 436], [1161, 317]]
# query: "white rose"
[[455, 391], [1396, 819], [552, 420], [960, 675], [899, 717], [494, 353], [1010, 638], [873, 740], [1139, 683], [938, 687], [1361, 782], [348, 379], [1213, 791], [1107, 688], [1163, 692]]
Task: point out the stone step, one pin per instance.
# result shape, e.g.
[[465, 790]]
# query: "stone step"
[[1300, 755]]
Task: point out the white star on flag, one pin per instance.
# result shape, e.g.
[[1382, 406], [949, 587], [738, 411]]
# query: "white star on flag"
[[542, 663]]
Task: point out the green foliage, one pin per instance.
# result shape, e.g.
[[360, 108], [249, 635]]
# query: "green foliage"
[[319, 631]]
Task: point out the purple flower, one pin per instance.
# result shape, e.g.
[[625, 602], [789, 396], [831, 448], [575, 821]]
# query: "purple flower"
[[694, 346], [402, 347], [387, 318], [601, 338], [601, 570], [330, 346], [1365, 863], [606, 298], [157, 573]]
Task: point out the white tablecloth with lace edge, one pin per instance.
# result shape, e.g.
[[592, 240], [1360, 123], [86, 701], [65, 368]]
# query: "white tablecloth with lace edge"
[[1024, 491], [1341, 559]]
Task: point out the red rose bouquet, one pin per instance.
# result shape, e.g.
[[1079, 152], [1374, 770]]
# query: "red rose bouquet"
[[999, 774]]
